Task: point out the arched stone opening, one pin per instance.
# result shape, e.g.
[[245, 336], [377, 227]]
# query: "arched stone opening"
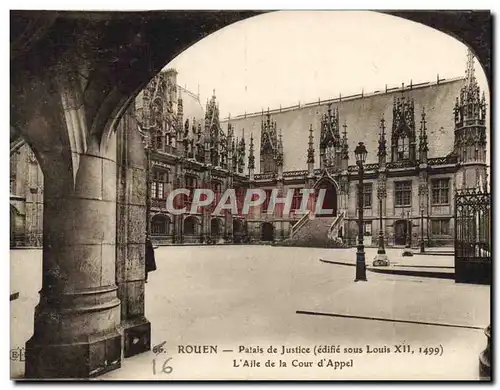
[[191, 226], [329, 205], [160, 225], [125, 63]]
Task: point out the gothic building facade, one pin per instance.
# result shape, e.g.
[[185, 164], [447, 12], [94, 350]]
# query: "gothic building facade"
[[424, 141], [26, 197]]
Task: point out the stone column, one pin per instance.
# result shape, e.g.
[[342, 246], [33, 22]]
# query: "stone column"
[[131, 235], [76, 322]]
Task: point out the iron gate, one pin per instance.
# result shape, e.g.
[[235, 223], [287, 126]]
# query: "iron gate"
[[473, 236]]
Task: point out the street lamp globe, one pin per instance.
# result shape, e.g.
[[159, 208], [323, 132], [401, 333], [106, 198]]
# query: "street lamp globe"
[[360, 152]]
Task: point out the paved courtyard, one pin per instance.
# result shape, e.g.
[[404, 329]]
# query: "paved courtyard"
[[248, 296]]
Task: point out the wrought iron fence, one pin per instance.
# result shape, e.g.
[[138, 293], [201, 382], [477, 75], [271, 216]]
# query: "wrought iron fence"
[[473, 236]]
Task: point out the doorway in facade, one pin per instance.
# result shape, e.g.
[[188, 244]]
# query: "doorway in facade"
[[401, 230], [238, 230], [330, 200], [215, 228], [267, 231]]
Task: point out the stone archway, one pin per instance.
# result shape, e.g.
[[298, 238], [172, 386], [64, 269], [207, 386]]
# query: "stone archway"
[[267, 231], [327, 185], [70, 125], [160, 225], [191, 226]]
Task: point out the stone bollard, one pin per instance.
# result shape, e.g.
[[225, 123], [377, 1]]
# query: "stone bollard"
[[485, 358]]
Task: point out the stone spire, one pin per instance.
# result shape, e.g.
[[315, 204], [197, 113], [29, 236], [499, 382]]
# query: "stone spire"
[[230, 146], [279, 154], [251, 157], [310, 152], [241, 152], [180, 113], [470, 106], [345, 149], [310, 149], [382, 143], [236, 151], [423, 146]]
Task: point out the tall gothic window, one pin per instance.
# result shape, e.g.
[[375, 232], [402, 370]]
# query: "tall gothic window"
[[403, 148], [268, 163], [402, 193], [159, 184], [440, 191], [367, 195]]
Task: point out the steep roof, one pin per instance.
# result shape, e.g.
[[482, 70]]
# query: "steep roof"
[[362, 114]]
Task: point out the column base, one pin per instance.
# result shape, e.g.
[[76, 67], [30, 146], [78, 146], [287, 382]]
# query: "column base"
[[381, 259], [407, 252], [484, 367], [485, 358], [78, 360], [136, 336]]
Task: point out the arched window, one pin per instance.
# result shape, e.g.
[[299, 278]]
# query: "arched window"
[[160, 225]]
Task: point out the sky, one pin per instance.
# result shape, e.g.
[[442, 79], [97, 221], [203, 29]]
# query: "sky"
[[287, 57]]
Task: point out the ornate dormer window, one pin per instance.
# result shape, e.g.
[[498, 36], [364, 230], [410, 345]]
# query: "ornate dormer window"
[[268, 146], [330, 142], [403, 129]]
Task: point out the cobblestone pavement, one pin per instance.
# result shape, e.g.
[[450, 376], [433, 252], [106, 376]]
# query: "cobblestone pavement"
[[248, 296]]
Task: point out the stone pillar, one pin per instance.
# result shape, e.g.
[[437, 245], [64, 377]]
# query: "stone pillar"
[[76, 321], [130, 235]]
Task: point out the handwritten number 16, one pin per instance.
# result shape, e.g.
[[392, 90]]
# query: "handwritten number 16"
[[165, 368]]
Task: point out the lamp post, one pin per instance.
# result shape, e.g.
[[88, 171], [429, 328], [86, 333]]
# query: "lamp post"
[[381, 257], [422, 245], [407, 251], [360, 153]]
